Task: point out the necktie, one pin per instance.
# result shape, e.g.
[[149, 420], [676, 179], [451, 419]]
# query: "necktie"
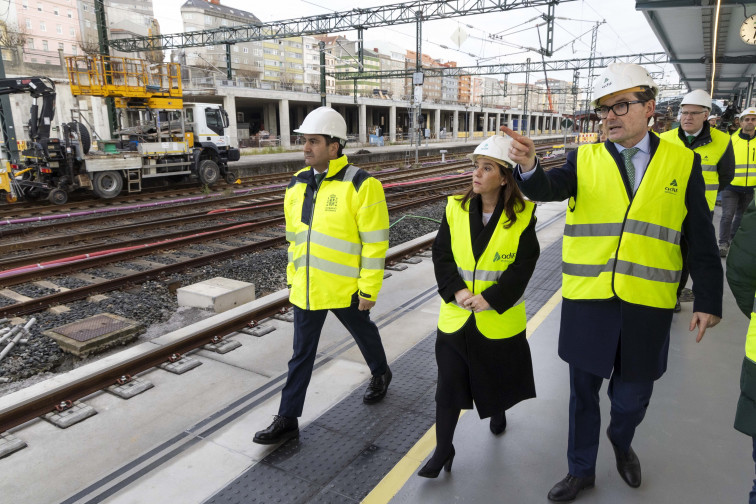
[[690, 139], [319, 177], [627, 155]]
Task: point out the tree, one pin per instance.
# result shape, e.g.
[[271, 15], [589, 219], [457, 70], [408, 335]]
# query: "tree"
[[12, 38]]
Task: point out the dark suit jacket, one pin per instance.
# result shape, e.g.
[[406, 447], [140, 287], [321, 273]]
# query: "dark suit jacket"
[[602, 336]]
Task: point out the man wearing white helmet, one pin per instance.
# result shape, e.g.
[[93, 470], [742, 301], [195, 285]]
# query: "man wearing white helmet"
[[715, 149], [629, 201], [337, 228], [739, 193]]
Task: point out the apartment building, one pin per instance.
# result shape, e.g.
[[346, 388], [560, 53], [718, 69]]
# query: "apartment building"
[[247, 58]]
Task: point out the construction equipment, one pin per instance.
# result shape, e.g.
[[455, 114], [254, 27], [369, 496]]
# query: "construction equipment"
[[158, 135]]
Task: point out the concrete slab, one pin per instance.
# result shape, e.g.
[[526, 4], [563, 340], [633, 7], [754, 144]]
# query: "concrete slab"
[[220, 294]]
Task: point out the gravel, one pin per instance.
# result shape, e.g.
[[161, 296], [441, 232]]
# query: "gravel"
[[155, 307]]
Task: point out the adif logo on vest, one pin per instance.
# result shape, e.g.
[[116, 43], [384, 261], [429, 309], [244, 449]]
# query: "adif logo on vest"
[[331, 203], [671, 188], [506, 257]]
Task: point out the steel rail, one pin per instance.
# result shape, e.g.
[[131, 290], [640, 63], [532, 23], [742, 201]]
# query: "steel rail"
[[33, 407]]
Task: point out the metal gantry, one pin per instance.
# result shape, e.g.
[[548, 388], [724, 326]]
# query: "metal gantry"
[[370, 17], [506, 68]]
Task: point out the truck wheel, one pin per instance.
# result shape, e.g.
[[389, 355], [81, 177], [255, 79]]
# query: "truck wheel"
[[231, 177], [80, 132], [208, 172], [57, 196], [107, 184]]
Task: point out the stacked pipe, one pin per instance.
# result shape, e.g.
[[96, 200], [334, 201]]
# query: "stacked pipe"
[[13, 335]]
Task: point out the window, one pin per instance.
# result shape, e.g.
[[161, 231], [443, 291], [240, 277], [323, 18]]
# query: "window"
[[30, 44], [72, 32], [224, 22], [236, 48], [208, 20], [84, 6], [246, 50], [39, 7], [56, 11], [188, 15], [236, 60], [42, 26], [59, 29], [28, 23], [70, 14], [44, 45], [74, 50], [25, 4], [190, 115], [88, 23], [246, 61], [257, 52]]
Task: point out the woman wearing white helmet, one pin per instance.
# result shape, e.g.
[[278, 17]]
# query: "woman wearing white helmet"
[[484, 254]]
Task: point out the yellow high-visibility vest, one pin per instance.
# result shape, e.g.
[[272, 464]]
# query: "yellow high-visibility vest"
[[338, 236], [710, 153], [745, 161], [613, 247], [750, 347], [479, 275]]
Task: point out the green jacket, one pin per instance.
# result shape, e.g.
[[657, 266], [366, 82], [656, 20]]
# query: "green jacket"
[[741, 275]]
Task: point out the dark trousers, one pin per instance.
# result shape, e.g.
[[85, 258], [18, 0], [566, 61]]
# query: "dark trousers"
[[629, 403], [733, 206], [307, 327]]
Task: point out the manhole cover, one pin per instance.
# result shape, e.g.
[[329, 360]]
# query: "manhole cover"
[[92, 327]]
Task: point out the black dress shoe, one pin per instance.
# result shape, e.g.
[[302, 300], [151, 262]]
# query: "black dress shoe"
[[628, 464], [431, 470], [567, 489], [282, 429], [377, 388], [498, 423]]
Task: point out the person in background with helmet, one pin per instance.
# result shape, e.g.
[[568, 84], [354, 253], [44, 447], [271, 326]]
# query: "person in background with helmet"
[[738, 194], [337, 227], [712, 121], [484, 255], [715, 149], [629, 201], [741, 275]]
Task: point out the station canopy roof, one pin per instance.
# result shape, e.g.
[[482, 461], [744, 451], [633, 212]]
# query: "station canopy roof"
[[685, 28]]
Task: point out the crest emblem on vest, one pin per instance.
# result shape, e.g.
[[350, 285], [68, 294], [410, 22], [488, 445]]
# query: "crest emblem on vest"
[[672, 187], [331, 203]]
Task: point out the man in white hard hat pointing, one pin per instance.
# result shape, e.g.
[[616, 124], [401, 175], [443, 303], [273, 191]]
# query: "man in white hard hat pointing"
[[630, 199], [715, 149], [337, 228]]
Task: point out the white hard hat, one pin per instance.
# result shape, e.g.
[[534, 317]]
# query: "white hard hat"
[[619, 77], [748, 111], [324, 121], [712, 116], [697, 97], [495, 148]]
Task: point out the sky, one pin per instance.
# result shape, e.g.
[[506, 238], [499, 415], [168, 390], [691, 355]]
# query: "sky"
[[624, 31]]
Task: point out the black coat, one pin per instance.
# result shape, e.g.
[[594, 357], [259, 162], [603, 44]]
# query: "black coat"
[[597, 335]]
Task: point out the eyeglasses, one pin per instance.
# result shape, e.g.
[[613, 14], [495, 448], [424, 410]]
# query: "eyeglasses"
[[692, 113], [619, 109]]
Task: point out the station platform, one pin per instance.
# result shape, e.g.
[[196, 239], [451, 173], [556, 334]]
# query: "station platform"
[[189, 439], [293, 160]]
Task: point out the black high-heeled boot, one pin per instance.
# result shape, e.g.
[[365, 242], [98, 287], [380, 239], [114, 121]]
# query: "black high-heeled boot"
[[429, 470]]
